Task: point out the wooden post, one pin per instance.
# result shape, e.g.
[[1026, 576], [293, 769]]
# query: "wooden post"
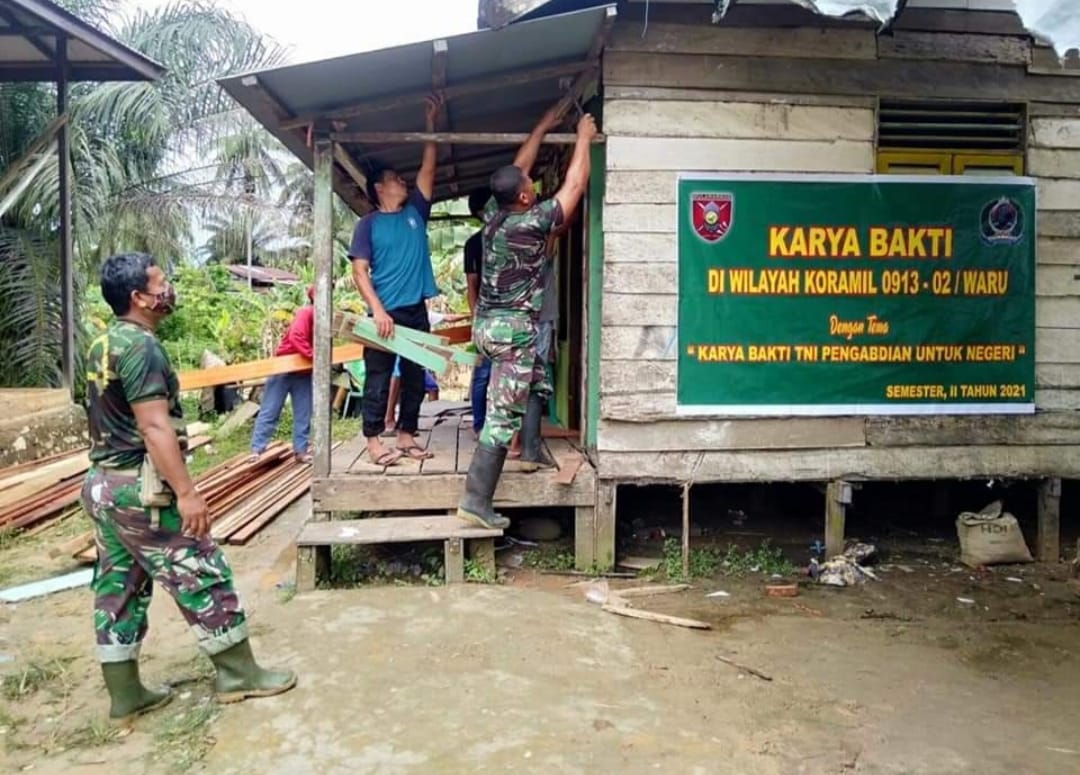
[[686, 530], [604, 546], [584, 537], [314, 561], [454, 561], [837, 499], [1049, 537], [67, 274]]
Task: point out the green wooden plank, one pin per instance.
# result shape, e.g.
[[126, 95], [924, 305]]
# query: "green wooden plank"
[[412, 334], [406, 348], [594, 212]]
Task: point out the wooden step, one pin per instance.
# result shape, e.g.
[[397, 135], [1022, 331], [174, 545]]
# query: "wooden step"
[[390, 530], [314, 540]]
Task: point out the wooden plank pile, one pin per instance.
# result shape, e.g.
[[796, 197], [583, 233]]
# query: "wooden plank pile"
[[243, 497], [41, 491], [31, 493]]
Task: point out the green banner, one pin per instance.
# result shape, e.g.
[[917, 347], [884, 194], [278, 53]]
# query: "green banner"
[[826, 295]]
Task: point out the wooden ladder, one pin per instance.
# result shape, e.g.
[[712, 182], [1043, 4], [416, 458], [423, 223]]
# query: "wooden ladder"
[[451, 530]]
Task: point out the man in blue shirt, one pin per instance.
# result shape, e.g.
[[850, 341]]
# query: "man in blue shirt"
[[391, 265]]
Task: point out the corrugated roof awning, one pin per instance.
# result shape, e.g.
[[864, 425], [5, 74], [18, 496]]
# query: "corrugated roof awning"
[[30, 35], [495, 81]]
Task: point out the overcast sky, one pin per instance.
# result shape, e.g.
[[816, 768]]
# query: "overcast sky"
[[319, 29]]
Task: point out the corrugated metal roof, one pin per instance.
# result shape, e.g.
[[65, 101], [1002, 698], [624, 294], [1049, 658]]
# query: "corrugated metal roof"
[[404, 74], [29, 30]]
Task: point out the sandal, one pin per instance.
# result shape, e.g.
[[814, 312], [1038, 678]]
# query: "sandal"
[[416, 452], [388, 458]]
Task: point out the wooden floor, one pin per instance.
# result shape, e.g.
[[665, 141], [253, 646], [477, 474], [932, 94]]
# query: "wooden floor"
[[357, 484]]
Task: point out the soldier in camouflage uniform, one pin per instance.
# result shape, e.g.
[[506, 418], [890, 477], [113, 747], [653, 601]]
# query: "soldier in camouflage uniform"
[[516, 231], [150, 524]]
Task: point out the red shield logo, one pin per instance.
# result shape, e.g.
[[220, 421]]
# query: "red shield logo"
[[712, 215]]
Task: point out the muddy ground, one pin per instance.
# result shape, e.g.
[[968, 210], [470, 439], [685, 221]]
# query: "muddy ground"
[[896, 676]]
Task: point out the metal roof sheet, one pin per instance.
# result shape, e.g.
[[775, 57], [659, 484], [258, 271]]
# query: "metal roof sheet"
[[29, 30], [404, 74]]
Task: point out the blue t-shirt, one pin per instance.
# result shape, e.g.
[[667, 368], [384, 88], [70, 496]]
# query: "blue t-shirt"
[[396, 245]]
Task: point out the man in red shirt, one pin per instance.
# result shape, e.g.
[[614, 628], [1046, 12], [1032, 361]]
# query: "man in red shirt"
[[297, 340]]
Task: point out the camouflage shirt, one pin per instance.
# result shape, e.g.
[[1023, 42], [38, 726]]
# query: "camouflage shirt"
[[125, 365], [516, 257]]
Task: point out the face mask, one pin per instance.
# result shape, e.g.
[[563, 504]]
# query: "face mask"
[[165, 302]]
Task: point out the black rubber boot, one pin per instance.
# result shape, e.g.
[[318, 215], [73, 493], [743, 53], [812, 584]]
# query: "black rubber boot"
[[533, 454], [240, 677], [480, 484], [128, 697]]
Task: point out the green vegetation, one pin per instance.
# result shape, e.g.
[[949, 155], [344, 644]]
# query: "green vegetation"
[[183, 739], [706, 562], [51, 674], [477, 573], [356, 566], [156, 164], [550, 557]]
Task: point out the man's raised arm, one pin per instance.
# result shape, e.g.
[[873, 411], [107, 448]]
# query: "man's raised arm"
[[425, 178], [526, 155], [577, 174]]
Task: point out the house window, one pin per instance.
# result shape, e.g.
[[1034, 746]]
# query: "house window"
[[929, 137]]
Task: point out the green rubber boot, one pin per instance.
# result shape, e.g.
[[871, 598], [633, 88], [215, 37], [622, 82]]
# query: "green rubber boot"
[[239, 677], [480, 483], [533, 454], [129, 698]]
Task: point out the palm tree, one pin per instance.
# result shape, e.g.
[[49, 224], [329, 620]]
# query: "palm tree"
[[136, 185]]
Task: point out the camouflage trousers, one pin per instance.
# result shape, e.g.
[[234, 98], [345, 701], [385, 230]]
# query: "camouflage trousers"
[[509, 342], [132, 553]]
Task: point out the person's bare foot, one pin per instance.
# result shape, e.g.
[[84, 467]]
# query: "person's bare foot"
[[407, 447], [380, 455]]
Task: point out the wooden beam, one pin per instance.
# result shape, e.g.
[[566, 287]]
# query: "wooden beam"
[[464, 138], [323, 259], [837, 499], [876, 77], [439, 52], [197, 379], [345, 159], [67, 269], [478, 86], [1048, 544]]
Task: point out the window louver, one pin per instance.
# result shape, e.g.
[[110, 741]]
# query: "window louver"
[[945, 125]]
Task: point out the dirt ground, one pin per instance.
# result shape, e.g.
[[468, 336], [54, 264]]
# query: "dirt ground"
[[896, 676]]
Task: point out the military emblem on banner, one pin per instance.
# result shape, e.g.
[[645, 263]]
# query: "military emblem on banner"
[[712, 215], [1001, 222]]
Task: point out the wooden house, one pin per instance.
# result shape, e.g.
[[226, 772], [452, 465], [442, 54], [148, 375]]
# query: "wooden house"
[[731, 96]]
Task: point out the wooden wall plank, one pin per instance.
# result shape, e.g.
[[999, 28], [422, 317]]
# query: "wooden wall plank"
[[736, 120], [882, 77], [809, 42], [657, 94], [660, 248], [954, 462], [1062, 223], [1064, 400], [648, 279], [1058, 194], [638, 219], [641, 343], [641, 153], [636, 377], [626, 309], [1049, 251], [1055, 132], [1053, 312], [1053, 110], [1057, 345], [1040, 428], [1053, 163], [1056, 280], [1057, 375], [766, 433], [954, 47]]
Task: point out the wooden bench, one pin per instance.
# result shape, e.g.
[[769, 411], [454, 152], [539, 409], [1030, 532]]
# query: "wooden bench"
[[317, 537]]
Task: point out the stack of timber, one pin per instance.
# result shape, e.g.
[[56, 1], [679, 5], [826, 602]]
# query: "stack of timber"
[[31, 493], [42, 491], [242, 495]]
